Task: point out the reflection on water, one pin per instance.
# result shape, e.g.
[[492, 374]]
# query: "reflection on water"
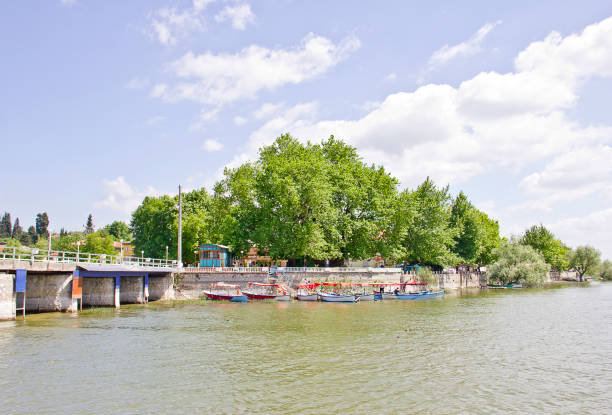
[[530, 351]]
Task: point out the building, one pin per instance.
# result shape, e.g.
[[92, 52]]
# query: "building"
[[212, 255], [127, 246]]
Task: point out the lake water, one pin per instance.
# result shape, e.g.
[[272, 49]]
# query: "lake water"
[[512, 351]]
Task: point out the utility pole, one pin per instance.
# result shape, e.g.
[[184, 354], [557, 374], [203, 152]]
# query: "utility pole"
[[180, 228]]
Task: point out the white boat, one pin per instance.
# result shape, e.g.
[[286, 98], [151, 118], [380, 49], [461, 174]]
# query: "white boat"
[[307, 297], [366, 297], [338, 298], [285, 297]]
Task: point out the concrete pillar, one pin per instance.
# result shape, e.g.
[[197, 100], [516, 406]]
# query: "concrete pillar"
[[77, 291], [146, 288], [117, 292], [7, 297]]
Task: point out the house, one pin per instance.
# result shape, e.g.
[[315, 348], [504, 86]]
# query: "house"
[[212, 255]]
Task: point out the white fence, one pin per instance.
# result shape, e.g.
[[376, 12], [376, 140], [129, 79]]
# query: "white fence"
[[42, 255], [318, 270]]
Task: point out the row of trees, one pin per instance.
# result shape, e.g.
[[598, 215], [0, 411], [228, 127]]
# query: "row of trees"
[[8, 230], [320, 201]]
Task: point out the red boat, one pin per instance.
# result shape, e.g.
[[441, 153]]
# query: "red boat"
[[226, 292], [275, 292]]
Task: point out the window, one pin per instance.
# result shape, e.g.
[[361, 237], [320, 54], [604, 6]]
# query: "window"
[[209, 254]]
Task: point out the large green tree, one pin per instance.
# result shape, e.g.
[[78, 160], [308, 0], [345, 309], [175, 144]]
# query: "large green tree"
[[429, 238], [42, 223], [118, 230], [584, 259], [545, 242], [17, 230], [153, 225], [6, 226], [605, 270], [518, 263], [490, 240]]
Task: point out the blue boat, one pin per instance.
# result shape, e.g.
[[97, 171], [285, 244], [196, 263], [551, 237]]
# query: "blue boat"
[[421, 295], [338, 298]]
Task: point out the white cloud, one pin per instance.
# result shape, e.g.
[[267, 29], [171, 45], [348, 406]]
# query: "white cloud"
[[137, 83], [470, 47], [155, 120], [122, 197], [391, 77], [268, 109], [212, 145], [239, 15], [206, 116], [238, 120], [594, 227], [490, 121], [168, 23], [217, 79]]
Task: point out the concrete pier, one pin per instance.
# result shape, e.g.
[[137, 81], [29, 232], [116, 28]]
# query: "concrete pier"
[[7, 296]]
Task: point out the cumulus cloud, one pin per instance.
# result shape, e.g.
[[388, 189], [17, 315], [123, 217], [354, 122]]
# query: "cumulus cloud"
[[169, 23], [470, 47], [596, 226], [240, 15], [492, 120], [205, 117], [217, 79], [122, 197], [212, 145], [267, 109]]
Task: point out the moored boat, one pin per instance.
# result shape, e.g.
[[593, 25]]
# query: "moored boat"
[[421, 295], [307, 292], [226, 292], [274, 292], [504, 286], [338, 298]]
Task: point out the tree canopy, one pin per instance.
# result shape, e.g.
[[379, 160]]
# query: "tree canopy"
[[551, 248], [518, 263], [584, 259]]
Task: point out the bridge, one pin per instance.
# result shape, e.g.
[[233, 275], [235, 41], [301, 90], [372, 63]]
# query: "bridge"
[[38, 280]]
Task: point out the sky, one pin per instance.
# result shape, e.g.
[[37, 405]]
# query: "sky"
[[105, 102]]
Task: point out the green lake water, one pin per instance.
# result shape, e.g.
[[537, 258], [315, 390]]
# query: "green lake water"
[[512, 351]]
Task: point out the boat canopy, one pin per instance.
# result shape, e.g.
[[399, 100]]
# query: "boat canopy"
[[380, 284], [224, 285], [310, 286], [264, 285]]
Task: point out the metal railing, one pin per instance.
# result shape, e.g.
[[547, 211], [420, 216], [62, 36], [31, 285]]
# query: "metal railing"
[[42, 255], [291, 269]]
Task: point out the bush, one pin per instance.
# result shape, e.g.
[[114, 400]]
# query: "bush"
[[605, 271], [519, 264]]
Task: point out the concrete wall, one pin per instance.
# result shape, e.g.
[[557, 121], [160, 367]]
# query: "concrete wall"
[[98, 291], [131, 290], [7, 297], [161, 288], [463, 280], [48, 292]]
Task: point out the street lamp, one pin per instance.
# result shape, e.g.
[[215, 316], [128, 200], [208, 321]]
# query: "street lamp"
[[142, 257], [78, 250], [195, 258], [121, 251], [242, 257], [166, 255]]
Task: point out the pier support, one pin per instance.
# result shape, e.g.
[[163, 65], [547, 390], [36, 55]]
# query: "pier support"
[[20, 288], [146, 288], [7, 297], [117, 291], [77, 291]]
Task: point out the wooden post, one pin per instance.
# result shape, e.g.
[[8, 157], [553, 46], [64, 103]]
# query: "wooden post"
[[117, 292]]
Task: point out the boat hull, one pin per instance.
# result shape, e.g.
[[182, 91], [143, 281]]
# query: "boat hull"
[[226, 297], [366, 297], [329, 298], [307, 297], [420, 296]]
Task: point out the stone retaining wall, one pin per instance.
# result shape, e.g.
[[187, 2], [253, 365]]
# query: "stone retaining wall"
[[161, 288], [98, 292], [131, 290]]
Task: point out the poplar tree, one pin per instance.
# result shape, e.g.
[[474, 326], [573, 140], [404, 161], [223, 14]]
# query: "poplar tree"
[[42, 224], [17, 231], [5, 226], [89, 227]]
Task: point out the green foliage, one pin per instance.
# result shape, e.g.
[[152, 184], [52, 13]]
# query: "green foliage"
[[518, 263], [428, 238], [32, 236], [17, 231], [543, 241], [42, 223], [153, 225], [605, 270], [426, 276], [95, 243], [584, 259], [491, 240], [118, 230], [6, 226], [67, 242], [9, 242], [89, 226]]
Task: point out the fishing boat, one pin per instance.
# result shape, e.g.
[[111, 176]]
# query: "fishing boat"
[[226, 292], [307, 292], [338, 298], [339, 294], [421, 295], [364, 295], [504, 286], [259, 291]]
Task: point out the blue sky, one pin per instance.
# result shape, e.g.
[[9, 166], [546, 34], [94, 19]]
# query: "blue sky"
[[104, 102]]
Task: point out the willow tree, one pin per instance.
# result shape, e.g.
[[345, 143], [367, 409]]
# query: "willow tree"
[[518, 263]]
